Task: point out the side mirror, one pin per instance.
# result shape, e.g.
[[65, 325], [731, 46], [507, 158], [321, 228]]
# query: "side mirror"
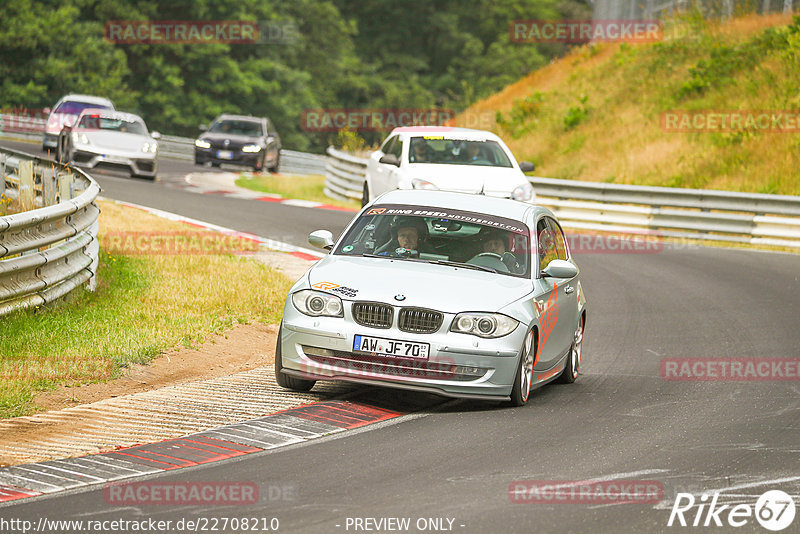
[[321, 239], [155, 135], [526, 166], [560, 269], [203, 127], [390, 159], [46, 111]]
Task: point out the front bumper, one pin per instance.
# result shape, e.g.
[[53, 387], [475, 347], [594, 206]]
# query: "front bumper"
[[140, 164], [458, 365], [237, 157]]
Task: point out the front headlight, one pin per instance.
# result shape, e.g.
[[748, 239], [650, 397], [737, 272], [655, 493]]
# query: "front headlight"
[[150, 147], [80, 138], [418, 183], [251, 148], [523, 192], [200, 143], [317, 303], [488, 325]]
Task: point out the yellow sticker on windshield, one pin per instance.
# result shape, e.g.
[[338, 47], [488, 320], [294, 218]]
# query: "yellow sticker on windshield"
[[433, 137]]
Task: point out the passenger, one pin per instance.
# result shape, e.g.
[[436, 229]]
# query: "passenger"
[[408, 233], [473, 152]]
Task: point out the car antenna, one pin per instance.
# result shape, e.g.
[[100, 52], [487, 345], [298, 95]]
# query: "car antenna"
[[483, 186]]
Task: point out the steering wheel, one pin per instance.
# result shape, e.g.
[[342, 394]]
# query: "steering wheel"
[[490, 259], [511, 262], [488, 255]]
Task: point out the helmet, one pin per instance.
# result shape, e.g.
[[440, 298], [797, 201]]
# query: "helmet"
[[401, 221]]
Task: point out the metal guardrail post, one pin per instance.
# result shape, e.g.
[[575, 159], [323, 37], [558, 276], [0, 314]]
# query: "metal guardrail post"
[[65, 180], [2, 174], [27, 195]]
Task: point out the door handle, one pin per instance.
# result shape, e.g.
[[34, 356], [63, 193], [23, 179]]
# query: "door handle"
[[569, 289]]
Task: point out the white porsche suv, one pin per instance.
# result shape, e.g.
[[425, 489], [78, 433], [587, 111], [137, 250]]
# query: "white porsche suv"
[[451, 159]]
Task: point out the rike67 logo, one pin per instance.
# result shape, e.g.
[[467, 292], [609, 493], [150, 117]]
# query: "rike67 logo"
[[774, 510]]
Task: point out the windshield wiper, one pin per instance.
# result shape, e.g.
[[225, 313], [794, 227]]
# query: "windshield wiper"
[[465, 265]]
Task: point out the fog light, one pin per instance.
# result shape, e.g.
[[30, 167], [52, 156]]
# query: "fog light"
[[316, 351], [468, 370]]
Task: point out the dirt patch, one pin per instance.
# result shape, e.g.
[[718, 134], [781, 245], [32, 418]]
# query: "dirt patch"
[[243, 348]]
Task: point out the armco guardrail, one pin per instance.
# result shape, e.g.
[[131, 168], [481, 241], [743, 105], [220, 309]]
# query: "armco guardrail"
[[664, 211], [48, 251], [169, 146]]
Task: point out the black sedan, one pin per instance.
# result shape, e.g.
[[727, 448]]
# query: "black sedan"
[[239, 140]]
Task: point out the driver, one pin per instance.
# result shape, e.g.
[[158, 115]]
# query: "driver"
[[495, 241], [473, 152], [408, 233]]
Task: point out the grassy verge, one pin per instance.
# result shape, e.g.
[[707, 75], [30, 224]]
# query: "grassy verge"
[[597, 113], [302, 187], [143, 305]]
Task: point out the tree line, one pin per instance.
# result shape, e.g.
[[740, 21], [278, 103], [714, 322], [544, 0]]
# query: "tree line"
[[339, 54]]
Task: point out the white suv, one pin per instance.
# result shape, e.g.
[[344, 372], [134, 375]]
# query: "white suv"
[[452, 159]]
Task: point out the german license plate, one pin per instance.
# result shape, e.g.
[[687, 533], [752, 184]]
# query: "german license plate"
[[224, 154], [391, 347]]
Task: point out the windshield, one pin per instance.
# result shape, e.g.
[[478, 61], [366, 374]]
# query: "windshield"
[[237, 127], [96, 122], [439, 235], [75, 108], [438, 149]]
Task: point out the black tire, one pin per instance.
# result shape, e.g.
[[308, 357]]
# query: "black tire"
[[520, 392], [365, 195], [215, 164], [276, 168], [286, 381], [59, 151], [65, 153], [259, 166], [573, 367]]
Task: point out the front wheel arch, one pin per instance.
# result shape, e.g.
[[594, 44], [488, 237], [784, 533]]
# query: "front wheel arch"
[[520, 391]]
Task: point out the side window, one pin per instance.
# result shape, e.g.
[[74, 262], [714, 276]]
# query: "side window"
[[561, 242], [397, 148], [387, 145], [546, 243]]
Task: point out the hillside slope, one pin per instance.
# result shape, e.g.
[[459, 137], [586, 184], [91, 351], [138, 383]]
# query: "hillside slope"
[[596, 114]]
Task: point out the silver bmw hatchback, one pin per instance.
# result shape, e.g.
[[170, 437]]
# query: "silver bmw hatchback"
[[457, 294]]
